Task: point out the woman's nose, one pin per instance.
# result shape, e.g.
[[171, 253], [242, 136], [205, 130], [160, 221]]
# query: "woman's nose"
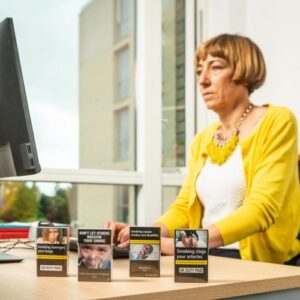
[[204, 78]]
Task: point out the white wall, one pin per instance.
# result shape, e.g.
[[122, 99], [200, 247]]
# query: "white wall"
[[274, 26]]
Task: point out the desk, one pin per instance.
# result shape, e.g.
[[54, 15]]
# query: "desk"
[[227, 278]]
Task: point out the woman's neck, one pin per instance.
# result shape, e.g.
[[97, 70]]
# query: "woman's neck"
[[231, 117]]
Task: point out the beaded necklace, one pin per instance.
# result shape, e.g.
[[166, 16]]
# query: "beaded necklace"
[[220, 148]]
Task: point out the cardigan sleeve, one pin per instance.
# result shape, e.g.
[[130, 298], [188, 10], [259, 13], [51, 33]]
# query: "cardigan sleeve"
[[177, 214], [271, 170]]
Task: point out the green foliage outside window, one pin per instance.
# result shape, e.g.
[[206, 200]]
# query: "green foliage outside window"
[[24, 203], [54, 208]]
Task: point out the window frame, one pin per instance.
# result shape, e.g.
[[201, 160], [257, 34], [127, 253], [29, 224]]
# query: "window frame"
[[149, 176]]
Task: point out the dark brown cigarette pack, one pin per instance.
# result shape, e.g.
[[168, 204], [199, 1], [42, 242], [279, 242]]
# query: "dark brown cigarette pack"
[[52, 251], [94, 255], [191, 255], [144, 252]]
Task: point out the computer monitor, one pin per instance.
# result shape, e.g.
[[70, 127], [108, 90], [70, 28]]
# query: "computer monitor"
[[18, 154]]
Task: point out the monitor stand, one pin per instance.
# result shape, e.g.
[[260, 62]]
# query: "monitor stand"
[[7, 167]]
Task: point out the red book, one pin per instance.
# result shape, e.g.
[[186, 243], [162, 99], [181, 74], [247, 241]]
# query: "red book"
[[14, 229], [13, 235]]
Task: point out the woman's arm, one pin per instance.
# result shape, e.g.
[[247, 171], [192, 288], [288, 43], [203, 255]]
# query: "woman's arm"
[[167, 243], [177, 214], [215, 239], [273, 163]]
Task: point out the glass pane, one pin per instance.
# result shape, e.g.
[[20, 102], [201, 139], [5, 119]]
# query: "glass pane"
[[73, 77], [99, 203], [27, 202], [47, 38], [106, 109], [122, 18], [169, 194], [123, 74], [84, 205], [122, 119], [173, 119]]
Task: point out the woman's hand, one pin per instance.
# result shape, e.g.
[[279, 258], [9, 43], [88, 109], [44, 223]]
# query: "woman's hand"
[[167, 243], [215, 239], [167, 246], [120, 233]]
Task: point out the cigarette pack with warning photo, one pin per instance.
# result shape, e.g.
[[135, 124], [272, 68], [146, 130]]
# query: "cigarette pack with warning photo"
[[144, 252], [94, 255], [191, 255], [52, 251]]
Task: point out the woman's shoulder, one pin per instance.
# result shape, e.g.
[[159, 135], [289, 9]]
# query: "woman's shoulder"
[[282, 113], [278, 119], [207, 132], [202, 138]]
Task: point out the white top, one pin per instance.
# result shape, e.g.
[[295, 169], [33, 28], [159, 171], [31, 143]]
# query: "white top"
[[221, 189]]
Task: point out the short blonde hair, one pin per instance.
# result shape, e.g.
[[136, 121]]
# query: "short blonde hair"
[[242, 54], [46, 233]]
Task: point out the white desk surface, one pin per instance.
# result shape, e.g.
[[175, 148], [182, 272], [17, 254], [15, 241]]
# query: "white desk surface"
[[227, 278]]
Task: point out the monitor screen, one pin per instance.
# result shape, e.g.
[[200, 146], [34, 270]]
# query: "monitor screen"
[[18, 154]]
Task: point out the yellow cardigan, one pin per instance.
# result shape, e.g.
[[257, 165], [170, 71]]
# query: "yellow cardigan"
[[268, 222]]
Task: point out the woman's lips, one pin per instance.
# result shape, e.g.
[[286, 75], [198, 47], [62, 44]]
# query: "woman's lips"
[[207, 94]]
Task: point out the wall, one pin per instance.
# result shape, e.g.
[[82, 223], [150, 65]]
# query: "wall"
[[273, 25]]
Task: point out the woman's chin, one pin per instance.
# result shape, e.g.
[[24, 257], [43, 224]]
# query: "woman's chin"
[[211, 105], [214, 104]]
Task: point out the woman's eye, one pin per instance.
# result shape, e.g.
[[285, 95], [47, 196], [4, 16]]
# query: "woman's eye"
[[198, 72], [217, 67]]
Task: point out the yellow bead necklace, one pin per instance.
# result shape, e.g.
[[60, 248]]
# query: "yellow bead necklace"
[[220, 148]]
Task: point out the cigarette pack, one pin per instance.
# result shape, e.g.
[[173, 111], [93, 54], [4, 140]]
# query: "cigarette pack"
[[52, 251], [191, 255], [94, 255], [144, 252]]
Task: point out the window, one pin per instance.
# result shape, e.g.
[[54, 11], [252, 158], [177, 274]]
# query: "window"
[[173, 84], [122, 204], [92, 125], [123, 74], [106, 103], [48, 48], [105, 99], [27, 202], [122, 142], [122, 18], [105, 202]]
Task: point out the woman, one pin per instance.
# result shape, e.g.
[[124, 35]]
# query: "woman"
[[52, 235], [242, 182]]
